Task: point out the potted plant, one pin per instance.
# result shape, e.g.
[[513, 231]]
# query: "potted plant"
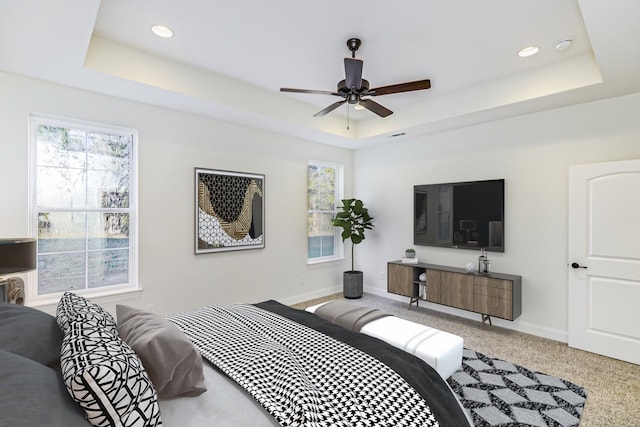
[[354, 219], [409, 253]]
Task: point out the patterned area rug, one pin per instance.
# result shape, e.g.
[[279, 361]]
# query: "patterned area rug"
[[499, 393]]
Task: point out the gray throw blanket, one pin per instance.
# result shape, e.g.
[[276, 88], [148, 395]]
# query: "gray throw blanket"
[[348, 315]]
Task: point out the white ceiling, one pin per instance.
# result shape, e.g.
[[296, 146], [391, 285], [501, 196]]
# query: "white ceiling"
[[228, 59]]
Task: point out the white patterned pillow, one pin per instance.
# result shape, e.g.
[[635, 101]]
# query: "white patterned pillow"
[[74, 308], [106, 378]]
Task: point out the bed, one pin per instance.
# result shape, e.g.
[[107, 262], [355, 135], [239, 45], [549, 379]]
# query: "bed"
[[262, 364]]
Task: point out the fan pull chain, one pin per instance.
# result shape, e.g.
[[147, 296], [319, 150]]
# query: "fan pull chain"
[[348, 116]]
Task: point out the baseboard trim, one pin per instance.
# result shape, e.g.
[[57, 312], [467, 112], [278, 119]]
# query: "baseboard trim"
[[516, 325], [311, 295]]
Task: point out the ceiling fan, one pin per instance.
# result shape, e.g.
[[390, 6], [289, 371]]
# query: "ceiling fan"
[[353, 89]]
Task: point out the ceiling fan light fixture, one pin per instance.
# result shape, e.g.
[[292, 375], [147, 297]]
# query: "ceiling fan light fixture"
[[162, 31], [528, 51], [358, 107]]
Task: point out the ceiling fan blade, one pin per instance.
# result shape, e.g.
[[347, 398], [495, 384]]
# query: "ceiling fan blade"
[[321, 92], [400, 87], [353, 73], [373, 106], [329, 109]]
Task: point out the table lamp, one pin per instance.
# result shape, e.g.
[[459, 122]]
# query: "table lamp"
[[16, 255]]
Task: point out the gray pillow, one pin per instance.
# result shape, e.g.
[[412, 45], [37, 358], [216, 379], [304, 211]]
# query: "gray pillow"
[[30, 333], [33, 395], [172, 362]]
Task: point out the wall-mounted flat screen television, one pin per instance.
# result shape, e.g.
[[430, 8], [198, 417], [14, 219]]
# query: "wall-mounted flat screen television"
[[465, 215]]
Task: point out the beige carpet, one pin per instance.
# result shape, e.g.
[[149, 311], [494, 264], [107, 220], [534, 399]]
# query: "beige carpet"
[[613, 386]]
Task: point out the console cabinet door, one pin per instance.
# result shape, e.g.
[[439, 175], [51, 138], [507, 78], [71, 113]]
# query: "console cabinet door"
[[457, 290], [400, 279], [434, 287], [494, 297]]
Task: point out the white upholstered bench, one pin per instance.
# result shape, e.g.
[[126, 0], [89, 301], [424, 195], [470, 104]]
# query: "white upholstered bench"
[[441, 350]]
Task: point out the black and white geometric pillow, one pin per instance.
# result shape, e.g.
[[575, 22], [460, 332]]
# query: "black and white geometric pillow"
[[74, 308], [106, 378]]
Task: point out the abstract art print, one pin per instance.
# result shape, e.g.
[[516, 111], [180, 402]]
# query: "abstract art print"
[[229, 211]]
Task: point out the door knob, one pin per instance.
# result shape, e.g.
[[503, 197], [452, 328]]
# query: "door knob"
[[576, 265]]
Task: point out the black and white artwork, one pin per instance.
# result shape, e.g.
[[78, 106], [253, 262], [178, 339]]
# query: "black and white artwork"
[[229, 210]]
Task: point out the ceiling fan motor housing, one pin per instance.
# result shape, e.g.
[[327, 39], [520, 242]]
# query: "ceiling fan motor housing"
[[353, 95]]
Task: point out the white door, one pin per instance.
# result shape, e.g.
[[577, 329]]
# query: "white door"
[[604, 259]]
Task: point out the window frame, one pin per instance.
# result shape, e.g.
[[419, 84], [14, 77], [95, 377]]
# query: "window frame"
[[338, 245], [132, 285]]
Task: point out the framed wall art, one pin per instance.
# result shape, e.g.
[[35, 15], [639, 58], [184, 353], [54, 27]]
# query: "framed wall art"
[[229, 210]]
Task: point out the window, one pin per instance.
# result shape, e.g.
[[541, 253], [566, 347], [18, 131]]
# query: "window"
[[83, 207], [325, 188]]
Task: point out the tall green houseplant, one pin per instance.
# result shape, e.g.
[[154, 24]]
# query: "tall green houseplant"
[[354, 220]]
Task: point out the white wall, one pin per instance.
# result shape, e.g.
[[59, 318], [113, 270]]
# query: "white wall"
[[172, 144], [532, 153]]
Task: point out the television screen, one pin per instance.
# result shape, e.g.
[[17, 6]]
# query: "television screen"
[[467, 215]]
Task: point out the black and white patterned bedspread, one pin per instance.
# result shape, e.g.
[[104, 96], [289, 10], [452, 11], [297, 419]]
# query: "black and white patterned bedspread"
[[299, 375]]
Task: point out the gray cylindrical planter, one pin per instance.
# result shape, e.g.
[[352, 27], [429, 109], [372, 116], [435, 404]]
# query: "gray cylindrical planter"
[[352, 284]]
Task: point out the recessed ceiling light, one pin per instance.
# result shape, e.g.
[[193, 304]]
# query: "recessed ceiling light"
[[162, 31], [528, 51], [563, 45]]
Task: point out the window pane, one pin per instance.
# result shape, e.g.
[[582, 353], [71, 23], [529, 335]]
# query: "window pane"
[[321, 246], [61, 231], [321, 188], [323, 200], [108, 152], [61, 147], [321, 234], [107, 189], [108, 174], [110, 267], [61, 272], [108, 230], [61, 188], [328, 245]]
